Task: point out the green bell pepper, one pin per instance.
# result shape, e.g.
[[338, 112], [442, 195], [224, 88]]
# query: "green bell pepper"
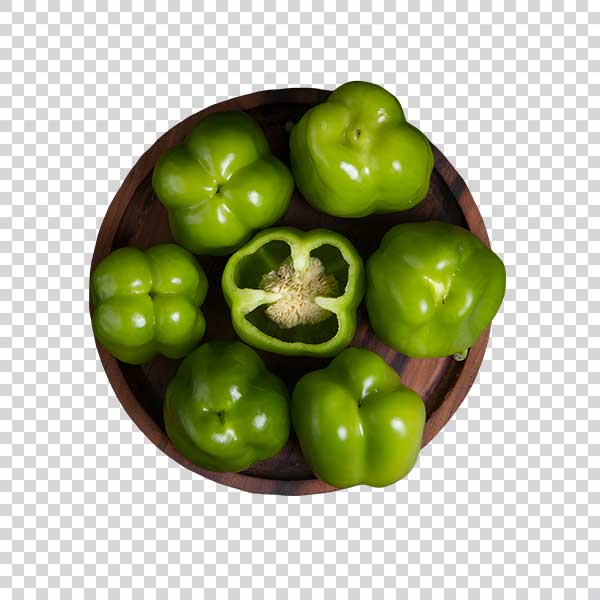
[[432, 289], [223, 410], [221, 184], [355, 154], [148, 302], [294, 292], [356, 422]]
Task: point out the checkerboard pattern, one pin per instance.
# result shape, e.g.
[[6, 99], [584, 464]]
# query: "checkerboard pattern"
[[505, 503]]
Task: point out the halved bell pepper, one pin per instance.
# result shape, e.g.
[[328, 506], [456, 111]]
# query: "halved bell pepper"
[[356, 154], [221, 184], [224, 410], [295, 292], [432, 289], [356, 422], [148, 302]]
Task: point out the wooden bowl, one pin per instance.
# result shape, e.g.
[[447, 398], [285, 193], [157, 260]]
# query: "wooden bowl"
[[136, 218]]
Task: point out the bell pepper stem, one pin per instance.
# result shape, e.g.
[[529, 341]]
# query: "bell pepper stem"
[[461, 356]]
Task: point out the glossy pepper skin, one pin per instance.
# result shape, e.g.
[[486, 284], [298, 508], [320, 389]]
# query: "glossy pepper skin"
[[224, 410], [221, 184], [355, 154], [295, 292], [356, 422], [147, 302], [432, 289]]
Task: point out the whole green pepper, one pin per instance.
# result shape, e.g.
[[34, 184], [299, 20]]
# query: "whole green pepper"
[[356, 422], [432, 289], [221, 184], [355, 154], [223, 410], [294, 292], [148, 302]]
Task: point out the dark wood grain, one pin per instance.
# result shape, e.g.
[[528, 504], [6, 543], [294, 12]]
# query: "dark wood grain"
[[135, 217]]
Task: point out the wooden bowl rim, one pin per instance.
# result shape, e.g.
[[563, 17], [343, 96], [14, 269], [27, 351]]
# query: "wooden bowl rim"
[[436, 421]]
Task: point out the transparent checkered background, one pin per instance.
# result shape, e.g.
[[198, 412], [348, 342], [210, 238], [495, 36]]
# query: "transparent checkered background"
[[505, 500]]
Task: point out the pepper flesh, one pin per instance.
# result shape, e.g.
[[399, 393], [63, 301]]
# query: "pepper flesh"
[[356, 422], [221, 184], [148, 302], [355, 154], [224, 410], [432, 289], [294, 292]]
